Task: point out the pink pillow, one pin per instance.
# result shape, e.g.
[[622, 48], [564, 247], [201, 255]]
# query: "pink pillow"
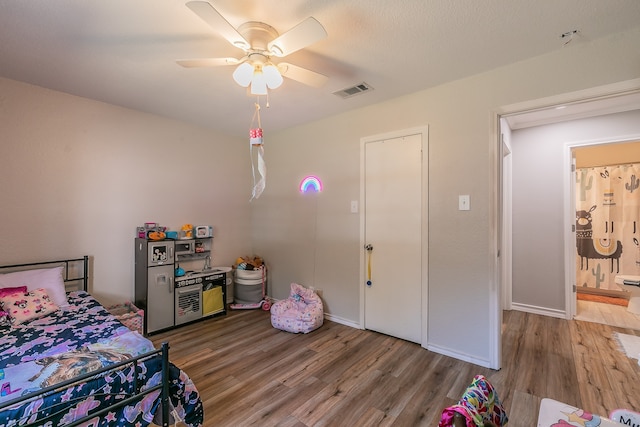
[[9, 291], [46, 278], [25, 306]]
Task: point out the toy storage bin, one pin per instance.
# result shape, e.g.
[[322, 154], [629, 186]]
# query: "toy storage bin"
[[129, 315], [248, 284], [247, 291], [250, 274]]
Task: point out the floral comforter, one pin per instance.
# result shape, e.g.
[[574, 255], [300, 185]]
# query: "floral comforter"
[[78, 339]]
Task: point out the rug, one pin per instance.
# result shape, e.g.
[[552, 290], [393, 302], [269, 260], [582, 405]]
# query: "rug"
[[603, 298], [629, 344]]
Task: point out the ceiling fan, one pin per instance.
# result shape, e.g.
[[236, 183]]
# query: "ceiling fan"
[[261, 43]]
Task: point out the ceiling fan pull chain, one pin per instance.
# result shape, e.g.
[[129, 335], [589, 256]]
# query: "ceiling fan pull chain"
[[256, 114]]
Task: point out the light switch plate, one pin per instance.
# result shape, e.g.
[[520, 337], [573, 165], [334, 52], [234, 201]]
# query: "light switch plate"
[[464, 203], [354, 206]]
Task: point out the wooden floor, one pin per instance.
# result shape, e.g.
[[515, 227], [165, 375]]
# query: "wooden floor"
[[249, 373]]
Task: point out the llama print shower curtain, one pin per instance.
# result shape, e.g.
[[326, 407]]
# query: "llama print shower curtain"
[[607, 224]]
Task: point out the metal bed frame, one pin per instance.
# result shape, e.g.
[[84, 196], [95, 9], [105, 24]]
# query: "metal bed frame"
[[163, 352]]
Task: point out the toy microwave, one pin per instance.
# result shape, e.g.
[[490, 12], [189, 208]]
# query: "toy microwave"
[[203, 231]]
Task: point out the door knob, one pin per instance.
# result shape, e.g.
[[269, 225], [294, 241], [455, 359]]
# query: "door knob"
[[368, 247]]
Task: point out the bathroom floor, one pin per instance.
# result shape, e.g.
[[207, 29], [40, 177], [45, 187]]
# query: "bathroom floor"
[[608, 314]]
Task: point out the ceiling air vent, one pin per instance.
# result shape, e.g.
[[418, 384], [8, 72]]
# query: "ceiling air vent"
[[353, 91]]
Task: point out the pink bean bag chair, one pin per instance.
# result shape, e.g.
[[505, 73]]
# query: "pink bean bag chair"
[[301, 312]]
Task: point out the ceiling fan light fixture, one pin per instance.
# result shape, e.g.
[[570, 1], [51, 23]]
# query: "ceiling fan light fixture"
[[258, 83], [260, 42], [272, 76], [243, 74]]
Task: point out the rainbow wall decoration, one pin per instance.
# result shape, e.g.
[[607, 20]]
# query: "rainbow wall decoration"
[[311, 183]]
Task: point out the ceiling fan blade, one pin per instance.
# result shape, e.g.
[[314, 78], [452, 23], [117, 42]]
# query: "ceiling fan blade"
[[211, 16], [302, 75], [207, 62], [302, 35]]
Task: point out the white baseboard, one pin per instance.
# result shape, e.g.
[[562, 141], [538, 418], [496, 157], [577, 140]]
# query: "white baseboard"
[[544, 311], [342, 321], [434, 348], [457, 355]]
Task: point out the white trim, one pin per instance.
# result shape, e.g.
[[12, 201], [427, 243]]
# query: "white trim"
[[495, 288], [540, 310], [507, 221], [424, 132], [569, 236], [586, 95], [342, 321], [569, 216], [460, 356]]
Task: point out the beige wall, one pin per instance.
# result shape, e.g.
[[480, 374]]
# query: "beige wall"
[[78, 176], [82, 175], [316, 242]]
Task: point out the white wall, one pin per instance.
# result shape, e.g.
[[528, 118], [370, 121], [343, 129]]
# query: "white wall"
[[462, 160], [78, 176], [538, 203]]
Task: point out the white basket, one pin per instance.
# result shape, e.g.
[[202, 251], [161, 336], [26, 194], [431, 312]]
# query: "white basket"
[[249, 274], [248, 281]]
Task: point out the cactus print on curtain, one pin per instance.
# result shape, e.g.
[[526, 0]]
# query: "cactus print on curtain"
[[607, 224]]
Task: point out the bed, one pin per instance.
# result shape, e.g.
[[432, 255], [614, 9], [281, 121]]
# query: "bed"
[[66, 361]]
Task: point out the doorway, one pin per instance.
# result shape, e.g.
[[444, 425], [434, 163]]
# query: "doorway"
[[606, 202], [394, 234], [562, 290]]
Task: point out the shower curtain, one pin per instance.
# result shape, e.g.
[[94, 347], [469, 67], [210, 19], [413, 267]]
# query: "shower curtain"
[[607, 225]]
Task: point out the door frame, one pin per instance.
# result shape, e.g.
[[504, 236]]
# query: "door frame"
[[424, 132], [506, 225], [570, 252]]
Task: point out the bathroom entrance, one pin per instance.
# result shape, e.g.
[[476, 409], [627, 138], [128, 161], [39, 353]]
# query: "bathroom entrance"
[[607, 206]]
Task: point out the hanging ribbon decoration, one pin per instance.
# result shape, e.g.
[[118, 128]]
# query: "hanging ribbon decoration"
[[256, 140]]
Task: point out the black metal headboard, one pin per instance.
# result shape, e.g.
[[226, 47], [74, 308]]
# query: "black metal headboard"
[[75, 270]]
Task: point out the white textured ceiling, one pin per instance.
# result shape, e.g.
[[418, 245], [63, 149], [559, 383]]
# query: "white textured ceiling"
[[123, 51]]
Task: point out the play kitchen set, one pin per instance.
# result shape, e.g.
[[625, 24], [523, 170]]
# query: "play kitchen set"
[[175, 283]]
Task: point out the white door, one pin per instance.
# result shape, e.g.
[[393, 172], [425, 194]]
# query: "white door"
[[393, 235]]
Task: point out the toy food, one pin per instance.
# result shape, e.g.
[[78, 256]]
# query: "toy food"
[[156, 235], [187, 230]]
